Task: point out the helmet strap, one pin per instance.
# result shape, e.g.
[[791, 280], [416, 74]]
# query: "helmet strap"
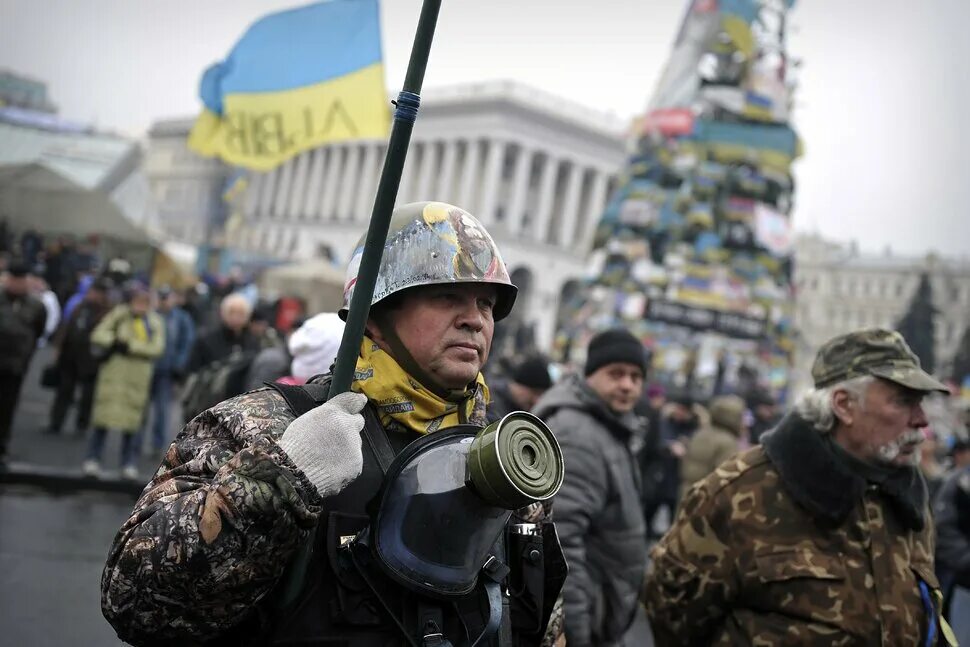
[[410, 365]]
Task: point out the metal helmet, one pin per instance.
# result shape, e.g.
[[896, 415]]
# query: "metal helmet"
[[433, 243]]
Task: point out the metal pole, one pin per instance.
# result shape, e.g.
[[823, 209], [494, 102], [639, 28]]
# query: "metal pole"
[[405, 114], [407, 104]]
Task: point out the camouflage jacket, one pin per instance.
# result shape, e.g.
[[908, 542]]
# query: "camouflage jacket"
[[783, 546], [215, 528]]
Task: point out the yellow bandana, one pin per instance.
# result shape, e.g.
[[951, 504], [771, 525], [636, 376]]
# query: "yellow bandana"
[[401, 401]]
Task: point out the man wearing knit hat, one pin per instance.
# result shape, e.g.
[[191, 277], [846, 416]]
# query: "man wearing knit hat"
[[598, 511], [822, 534], [529, 380]]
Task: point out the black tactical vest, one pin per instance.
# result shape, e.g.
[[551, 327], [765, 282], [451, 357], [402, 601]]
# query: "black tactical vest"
[[337, 604]]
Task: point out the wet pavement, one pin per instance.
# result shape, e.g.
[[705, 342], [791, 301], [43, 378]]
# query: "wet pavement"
[[52, 552], [30, 445]]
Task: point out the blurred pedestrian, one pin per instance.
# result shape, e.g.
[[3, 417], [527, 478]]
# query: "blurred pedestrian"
[[313, 347], [230, 334], [261, 327], [959, 454], [83, 284], [76, 365], [31, 246], [653, 455], [821, 535], [171, 366], [598, 515], [680, 419], [221, 358], [929, 462], [765, 413], [716, 442], [951, 510], [133, 337], [22, 320], [529, 380], [52, 306]]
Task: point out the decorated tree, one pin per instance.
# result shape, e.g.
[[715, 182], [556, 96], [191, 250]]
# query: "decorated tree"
[[693, 253]]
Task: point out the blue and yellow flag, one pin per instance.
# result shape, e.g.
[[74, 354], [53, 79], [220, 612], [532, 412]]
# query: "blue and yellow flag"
[[295, 80]]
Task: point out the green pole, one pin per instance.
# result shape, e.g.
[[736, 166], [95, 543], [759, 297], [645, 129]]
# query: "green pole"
[[405, 113]]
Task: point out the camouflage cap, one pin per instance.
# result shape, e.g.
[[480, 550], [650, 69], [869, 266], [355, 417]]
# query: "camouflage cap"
[[873, 351]]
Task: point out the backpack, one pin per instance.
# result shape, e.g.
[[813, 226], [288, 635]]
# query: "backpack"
[[220, 380]]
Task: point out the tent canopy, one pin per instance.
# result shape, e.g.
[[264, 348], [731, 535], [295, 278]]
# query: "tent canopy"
[[317, 282], [36, 197]]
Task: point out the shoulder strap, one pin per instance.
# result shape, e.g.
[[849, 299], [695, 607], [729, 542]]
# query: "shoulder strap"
[[376, 437], [303, 398]]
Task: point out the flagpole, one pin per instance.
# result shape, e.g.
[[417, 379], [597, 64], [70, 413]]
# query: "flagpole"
[[405, 114], [408, 101]]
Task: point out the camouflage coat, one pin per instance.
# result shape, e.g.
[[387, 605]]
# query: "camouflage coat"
[[783, 545], [215, 528]]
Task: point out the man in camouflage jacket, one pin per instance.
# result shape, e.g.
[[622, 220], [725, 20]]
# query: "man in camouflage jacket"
[[822, 535], [246, 481]]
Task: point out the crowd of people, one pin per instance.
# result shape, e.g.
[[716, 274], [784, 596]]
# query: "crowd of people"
[[729, 521]]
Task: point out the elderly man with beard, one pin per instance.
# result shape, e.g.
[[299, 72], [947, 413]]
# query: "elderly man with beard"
[[822, 535]]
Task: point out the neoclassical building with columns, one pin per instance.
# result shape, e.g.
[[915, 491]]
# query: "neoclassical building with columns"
[[536, 169]]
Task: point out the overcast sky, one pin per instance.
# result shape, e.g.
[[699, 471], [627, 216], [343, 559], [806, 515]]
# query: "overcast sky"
[[881, 107]]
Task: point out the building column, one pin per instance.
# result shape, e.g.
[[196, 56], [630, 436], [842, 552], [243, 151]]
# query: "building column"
[[469, 174], [427, 172], [520, 188], [253, 192], [493, 176], [294, 208], [282, 198], [594, 209], [334, 169], [367, 190], [311, 201], [348, 182], [566, 236], [444, 189], [547, 186], [268, 193], [404, 192]]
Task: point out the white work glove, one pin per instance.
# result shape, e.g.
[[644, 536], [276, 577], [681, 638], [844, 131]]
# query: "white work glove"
[[325, 442]]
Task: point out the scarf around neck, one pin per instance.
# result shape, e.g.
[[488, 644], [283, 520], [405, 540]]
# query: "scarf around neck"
[[403, 402]]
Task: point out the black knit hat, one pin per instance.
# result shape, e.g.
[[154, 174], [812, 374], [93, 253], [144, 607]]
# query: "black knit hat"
[[616, 345], [533, 372]]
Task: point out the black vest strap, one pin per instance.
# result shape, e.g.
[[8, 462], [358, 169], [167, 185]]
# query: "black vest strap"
[[377, 439], [298, 397]]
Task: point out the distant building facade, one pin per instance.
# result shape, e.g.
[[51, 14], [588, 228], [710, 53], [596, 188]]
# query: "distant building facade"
[[19, 91], [841, 289], [187, 188], [534, 168]]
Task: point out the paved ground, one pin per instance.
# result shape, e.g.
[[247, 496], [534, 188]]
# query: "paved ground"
[[54, 536], [52, 551], [66, 451]]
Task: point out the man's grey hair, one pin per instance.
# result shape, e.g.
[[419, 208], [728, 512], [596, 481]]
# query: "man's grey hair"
[[235, 300], [815, 405]]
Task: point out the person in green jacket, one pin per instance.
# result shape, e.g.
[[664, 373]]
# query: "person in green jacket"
[[714, 443], [130, 338]]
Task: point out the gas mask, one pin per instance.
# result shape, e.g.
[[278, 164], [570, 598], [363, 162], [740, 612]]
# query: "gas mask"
[[448, 497], [438, 525]]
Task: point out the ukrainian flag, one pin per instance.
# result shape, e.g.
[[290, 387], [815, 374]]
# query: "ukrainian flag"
[[295, 80]]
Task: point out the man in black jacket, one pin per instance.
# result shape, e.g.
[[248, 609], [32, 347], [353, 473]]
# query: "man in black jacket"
[[231, 335], [22, 319], [529, 380], [598, 513], [75, 364]]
